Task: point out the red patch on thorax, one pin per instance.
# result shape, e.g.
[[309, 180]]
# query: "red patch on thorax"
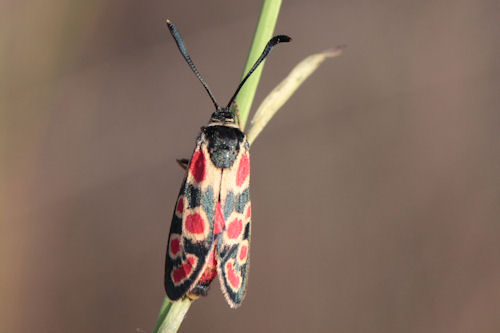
[[197, 167], [243, 170]]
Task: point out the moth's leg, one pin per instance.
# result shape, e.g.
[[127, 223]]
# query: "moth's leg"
[[183, 163], [200, 289]]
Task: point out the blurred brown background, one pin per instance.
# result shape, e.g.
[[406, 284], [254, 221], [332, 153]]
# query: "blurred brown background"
[[376, 189]]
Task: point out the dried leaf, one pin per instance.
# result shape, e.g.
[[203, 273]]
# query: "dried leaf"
[[283, 91]]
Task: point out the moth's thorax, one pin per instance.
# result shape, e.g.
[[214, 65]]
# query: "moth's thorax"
[[224, 143]]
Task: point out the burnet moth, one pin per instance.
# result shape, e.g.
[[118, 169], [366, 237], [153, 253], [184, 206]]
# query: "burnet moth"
[[210, 230]]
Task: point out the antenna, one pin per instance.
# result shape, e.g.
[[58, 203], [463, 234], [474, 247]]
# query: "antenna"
[[182, 49], [272, 43]]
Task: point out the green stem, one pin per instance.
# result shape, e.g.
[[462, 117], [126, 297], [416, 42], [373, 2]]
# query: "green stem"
[[164, 310], [263, 32], [173, 315]]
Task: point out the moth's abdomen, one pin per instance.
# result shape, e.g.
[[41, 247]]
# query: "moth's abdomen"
[[224, 144]]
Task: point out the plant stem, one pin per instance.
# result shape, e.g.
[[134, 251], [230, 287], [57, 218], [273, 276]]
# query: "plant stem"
[[174, 316], [164, 310], [263, 32]]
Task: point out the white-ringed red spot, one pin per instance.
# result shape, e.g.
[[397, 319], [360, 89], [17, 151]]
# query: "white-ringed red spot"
[[183, 271], [175, 246], [232, 277], [180, 206], [197, 166], [195, 223], [249, 212], [243, 252], [234, 229], [243, 170]]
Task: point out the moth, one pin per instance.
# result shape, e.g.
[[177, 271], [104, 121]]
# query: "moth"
[[210, 229]]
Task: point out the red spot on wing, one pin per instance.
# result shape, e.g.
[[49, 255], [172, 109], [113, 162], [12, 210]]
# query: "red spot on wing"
[[243, 252], [232, 277], [180, 206], [243, 170], [175, 246], [249, 212], [197, 167], [234, 229], [195, 223], [183, 271], [219, 219], [211, 270]]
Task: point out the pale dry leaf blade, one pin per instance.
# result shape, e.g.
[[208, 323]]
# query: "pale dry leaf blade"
[[285, 89]]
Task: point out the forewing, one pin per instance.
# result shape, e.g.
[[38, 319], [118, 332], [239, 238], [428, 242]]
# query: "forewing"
[[234, 244], [191, 232]]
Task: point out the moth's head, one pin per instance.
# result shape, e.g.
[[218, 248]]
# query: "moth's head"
[[222, 115]]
